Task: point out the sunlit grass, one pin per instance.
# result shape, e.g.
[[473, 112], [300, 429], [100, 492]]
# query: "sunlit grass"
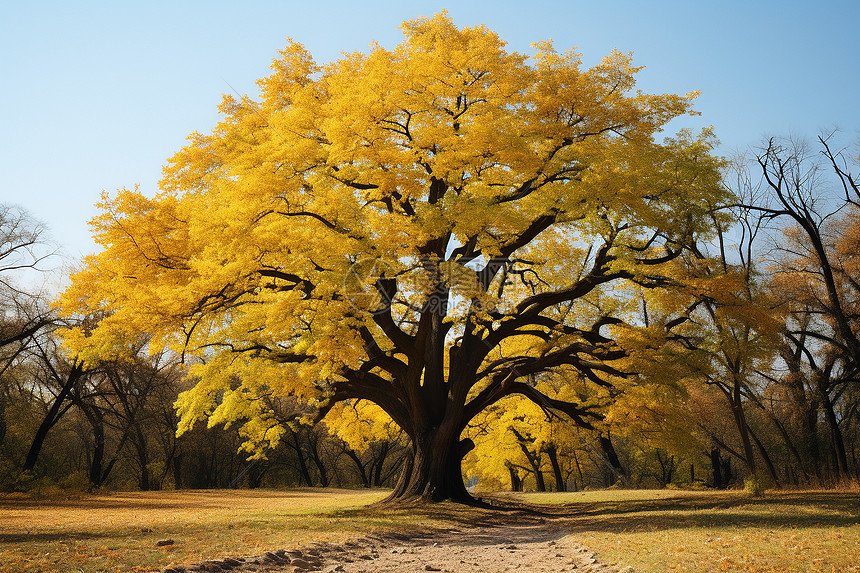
[[653, 531], [665, 530], [103, 532]]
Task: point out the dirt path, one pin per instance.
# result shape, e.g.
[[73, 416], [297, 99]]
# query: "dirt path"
[[534, 548], [537, 547]]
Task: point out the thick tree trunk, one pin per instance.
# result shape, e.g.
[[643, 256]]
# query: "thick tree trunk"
[[319, 463], [97, 474], [304, 471], [433, 471], [516, 482], [612, 459], [540, 483], [810, 441], [720, 481], [140, 446], [379, 463], [560, 484]]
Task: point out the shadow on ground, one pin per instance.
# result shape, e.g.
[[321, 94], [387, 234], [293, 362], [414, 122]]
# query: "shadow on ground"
[[778, 510]]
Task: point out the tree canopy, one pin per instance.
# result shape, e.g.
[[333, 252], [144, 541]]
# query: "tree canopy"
[[428, 228]]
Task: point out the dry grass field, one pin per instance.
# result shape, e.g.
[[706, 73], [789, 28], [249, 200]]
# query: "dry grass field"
[[652, 531], [119, 531], [704, 532]]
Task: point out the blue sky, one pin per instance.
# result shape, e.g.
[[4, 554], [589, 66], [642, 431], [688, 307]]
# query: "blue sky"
[[97, 95]]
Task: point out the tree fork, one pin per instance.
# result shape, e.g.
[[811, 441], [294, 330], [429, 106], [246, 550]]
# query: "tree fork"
[[52, 416]]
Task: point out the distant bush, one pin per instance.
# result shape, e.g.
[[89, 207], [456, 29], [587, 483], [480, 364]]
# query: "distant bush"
[[756, 484], [76, 481]]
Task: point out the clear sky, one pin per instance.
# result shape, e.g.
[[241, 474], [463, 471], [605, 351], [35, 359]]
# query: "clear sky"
[[97, 95]]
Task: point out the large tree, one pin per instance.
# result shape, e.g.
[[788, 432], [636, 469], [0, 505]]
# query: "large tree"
[[424, 228]]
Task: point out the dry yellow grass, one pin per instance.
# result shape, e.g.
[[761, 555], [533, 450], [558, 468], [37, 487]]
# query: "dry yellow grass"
[[653, 531], [118, 532], [134, 509], [704, 532]]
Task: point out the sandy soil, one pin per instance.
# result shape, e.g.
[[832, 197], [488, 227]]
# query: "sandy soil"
[[538, 546]]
